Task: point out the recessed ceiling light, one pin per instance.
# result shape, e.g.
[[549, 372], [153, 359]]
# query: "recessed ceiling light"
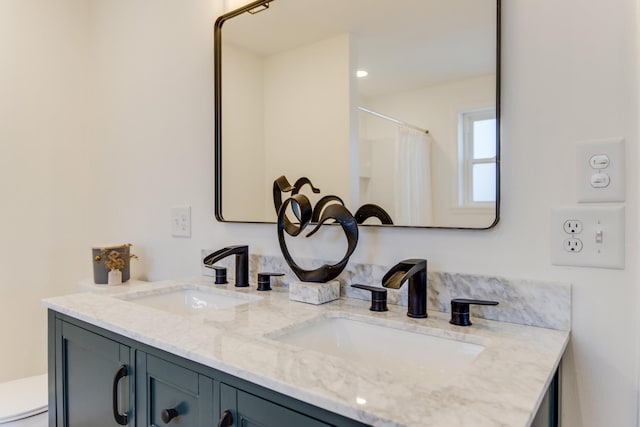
[[361, 73]]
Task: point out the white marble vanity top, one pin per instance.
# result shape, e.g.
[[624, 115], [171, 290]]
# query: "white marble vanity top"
[[503, 385]]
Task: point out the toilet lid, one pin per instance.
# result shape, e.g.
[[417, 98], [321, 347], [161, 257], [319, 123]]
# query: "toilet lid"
[[23, 398]]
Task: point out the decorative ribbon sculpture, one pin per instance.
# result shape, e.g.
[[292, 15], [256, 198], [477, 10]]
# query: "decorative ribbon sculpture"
[[370, 210], [301, 206]]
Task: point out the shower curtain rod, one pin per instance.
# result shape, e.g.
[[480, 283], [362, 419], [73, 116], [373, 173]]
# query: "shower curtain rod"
[[400, 122]]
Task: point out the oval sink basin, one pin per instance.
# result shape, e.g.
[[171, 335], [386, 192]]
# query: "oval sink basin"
[[190, 300], [383, 346]]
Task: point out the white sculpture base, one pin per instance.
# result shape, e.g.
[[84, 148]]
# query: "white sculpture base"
[[314, 293]]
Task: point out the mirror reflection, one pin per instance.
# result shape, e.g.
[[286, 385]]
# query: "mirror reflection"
[[385, 104]]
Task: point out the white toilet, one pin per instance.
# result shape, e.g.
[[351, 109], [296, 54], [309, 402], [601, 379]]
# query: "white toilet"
[[23, 402]]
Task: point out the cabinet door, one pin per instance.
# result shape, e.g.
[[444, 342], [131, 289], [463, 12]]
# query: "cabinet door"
[[252, 411], [171, 395], [92, 378]]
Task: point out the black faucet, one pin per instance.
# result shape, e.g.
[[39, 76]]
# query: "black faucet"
[[242, 262], [416, 271]]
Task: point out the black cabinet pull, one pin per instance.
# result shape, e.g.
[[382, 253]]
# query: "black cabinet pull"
[[121, 419], [168, 414], [226, 420]]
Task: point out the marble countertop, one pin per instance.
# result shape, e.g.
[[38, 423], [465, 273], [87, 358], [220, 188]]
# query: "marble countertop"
[[503, 385]]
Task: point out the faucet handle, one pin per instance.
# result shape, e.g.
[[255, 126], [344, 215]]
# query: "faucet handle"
[[264, 280], [221, 274], [378, 297], [460, 310]]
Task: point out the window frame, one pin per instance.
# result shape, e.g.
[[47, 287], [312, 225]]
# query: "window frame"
[[466, 162]]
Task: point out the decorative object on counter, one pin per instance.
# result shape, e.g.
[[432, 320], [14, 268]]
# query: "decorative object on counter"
[[264, 280], [414, 270], [378, 297], [114, 277], [370, 210], [221, 274], [337, 212], [301, 182], [242, 262], [314, 293], [111, 263], [460, 310], [320, 205], [280, 185]]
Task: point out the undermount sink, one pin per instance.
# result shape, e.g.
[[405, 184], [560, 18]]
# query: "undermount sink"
[[382, 345], [190, 300]]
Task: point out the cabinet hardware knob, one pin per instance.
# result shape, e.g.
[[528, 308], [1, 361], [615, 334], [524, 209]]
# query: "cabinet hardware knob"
[[121, 419], [226, 420], [168, 414]]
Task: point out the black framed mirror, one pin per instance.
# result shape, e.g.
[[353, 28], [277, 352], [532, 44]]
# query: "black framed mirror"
[[417, 137]]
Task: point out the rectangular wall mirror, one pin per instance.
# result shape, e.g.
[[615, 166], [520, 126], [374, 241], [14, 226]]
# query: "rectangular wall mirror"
[[417, 137]]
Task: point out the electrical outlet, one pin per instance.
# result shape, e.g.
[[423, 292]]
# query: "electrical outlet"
[[572, 245], [572, 226], [181, 221], [588, 236]]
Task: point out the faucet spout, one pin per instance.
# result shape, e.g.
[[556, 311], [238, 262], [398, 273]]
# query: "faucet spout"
[[242, 262], [415, 271]]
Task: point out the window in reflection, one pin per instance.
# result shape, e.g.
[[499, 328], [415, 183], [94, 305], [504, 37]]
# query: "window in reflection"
[[477, 157]]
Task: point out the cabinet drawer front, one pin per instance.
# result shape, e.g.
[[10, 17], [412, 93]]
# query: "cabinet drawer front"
[[172, 394], [173, 374], [165, 398], [256, 412]]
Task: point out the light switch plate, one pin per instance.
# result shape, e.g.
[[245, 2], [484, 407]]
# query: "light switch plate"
[[601, 171], [588, 236]]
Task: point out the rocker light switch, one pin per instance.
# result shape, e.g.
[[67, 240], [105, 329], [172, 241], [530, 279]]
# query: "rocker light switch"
[[601, 171], [181, 221]]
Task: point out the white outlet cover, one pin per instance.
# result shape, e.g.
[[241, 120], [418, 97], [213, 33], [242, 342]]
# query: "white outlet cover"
[[609, 221], [181, 221], [589, 187]]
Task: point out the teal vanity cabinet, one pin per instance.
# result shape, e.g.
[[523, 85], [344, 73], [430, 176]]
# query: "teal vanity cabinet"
[[246, 410], [93, 382], [170, 394], [101, 379]]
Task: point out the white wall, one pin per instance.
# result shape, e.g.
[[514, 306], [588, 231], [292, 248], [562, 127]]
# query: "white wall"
[[44, 176], [151, 86], [570, 73]]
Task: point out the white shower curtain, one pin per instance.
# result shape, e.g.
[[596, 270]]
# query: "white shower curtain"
[[413, 205]]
